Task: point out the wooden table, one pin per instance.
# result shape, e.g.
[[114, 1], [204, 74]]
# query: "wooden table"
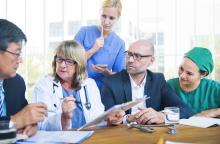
[[124, 135]]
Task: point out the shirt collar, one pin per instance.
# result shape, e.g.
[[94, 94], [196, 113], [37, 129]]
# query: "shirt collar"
[[133, 84]]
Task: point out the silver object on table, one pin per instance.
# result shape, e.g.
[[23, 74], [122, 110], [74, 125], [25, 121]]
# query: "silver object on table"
[[140, 127]]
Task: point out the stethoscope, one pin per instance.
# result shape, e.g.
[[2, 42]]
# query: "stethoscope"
[[87, 104]]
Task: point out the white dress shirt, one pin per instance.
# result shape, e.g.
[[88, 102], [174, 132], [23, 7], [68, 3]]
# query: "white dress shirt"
[[137, 92]]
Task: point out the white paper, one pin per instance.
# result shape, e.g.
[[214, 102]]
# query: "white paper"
[[202, 122], [20, 136], [171, 142], [125, 106], [60, 136]]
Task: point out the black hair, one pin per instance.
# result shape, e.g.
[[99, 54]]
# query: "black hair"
[[9, 33]]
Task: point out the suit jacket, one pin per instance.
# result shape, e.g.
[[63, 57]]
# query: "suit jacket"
[[117, 90], [14, 95]]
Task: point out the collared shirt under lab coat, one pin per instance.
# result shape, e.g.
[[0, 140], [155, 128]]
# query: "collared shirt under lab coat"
[[50, 92]]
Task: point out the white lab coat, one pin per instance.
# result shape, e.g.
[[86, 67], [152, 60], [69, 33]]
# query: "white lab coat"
[[50, 92]]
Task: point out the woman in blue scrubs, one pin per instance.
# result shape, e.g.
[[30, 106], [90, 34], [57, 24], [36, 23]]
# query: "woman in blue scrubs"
[[104, 48]]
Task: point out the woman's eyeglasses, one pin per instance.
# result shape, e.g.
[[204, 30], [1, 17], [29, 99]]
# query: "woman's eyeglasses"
[[67, 61]]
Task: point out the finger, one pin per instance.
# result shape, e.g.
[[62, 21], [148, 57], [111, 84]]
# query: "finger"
[[120, 114], [143, 118], [39, 105], [115, 122], [145, 121], [144, 110], [68, 107], [26, 129], [93, 67], [71, 108], [68, 99], [32, 130], [40, 111], [101, 30], [111, 121], [149, 118], [139, 114], [141, 108], [38, 118], [20, 131], [35, 111], [152, 121], [100, 68]]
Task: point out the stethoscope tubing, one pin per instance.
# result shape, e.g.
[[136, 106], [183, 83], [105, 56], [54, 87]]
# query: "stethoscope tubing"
[[87, 104]]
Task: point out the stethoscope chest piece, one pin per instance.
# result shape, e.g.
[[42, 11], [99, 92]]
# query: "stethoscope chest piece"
[[88, 105]]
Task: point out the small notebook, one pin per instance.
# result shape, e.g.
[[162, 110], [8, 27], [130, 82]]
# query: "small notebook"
[[202, 122]]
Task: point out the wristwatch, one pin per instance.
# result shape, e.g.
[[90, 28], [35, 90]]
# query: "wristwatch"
[[125, 119]]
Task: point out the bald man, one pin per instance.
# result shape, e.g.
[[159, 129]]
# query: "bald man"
[[137, 81]]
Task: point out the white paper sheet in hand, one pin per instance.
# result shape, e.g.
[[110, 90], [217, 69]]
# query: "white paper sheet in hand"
[[125, 106], [60, 136], [202, 122]]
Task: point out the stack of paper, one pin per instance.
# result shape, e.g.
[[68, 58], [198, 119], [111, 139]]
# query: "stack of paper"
[[202, 122], [60, 136]]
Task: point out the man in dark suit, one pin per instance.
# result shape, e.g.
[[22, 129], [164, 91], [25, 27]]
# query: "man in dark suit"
[[14, 86], [13, 105], [136, 81]]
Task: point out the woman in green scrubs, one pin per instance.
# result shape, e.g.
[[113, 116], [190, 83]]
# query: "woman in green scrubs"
[[201, 94]]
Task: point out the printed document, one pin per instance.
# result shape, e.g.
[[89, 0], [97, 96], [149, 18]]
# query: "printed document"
[[60, 136], [202, 122]]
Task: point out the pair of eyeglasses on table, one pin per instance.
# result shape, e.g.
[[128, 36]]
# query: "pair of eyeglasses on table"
[[147, 129], [150, 128]]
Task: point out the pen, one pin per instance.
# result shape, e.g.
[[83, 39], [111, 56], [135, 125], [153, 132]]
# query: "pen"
[[53, 111], [77, 102]]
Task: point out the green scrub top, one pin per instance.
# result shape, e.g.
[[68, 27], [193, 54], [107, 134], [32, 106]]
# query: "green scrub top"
[[206, 96]]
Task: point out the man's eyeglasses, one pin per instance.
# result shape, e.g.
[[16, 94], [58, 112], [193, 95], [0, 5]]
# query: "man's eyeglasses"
[[135, 56], [67, 61], [13, 53]]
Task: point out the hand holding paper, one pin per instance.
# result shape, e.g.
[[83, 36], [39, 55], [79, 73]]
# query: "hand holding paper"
[[115, 117], [125, 106]]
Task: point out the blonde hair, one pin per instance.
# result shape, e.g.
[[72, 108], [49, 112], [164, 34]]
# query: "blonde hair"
[[74, 51], [113, 3]]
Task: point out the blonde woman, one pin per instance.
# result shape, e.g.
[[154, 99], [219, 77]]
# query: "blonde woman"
[[72, 98], [104, 48]]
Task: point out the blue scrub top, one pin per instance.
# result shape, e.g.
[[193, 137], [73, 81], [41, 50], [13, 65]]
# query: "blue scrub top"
[[111, 54]]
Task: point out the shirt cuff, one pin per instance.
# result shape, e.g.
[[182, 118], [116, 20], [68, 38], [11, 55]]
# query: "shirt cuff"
[[125, 119]]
